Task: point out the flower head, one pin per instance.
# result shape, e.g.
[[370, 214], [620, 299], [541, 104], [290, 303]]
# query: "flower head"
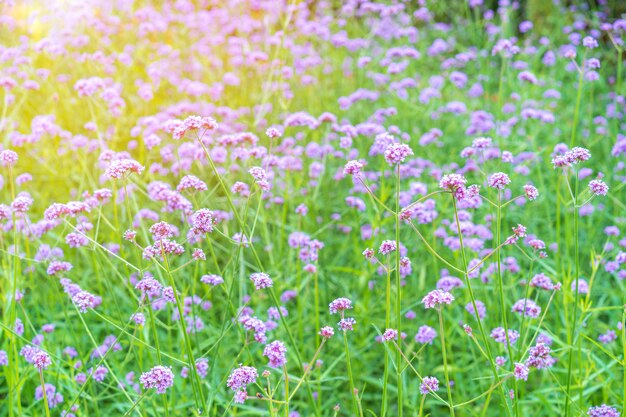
[[603, 411], [396, 153], [122, 168], [327, 332], [347, 324], [8, 157], [499, 180], [340, 305], [390, 334], [261, 280], [436, 298], [598, 187], [41, 360], [276, 353], [520, 371], [531, 192], [159, 377], [429, 384], [353, 168]]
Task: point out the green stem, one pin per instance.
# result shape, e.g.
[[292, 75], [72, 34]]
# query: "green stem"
[[353, 393], [43, 389], [478, 320], [386, 354], [501, 295], [398, 292], [196, 385], [572, 337], [445, 361]]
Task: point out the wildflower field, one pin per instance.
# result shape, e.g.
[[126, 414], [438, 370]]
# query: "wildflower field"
[[312, 208]]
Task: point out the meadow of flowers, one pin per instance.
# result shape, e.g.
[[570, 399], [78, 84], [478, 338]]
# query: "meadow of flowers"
[[312, 208]]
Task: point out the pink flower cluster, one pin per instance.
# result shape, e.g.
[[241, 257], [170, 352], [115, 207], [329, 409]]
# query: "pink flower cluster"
[[396, 153], [340, 305], [261, 280], [571, 157], [353, 168], [429, 384], [239, 379], [436, 298], [180, 128], [276, 353], [121, 168], [160, 378]]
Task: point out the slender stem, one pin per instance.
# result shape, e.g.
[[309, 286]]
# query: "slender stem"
[[570, 362], [501, 294], [353, 394], [45, 397], [410, 365], [248, 237], [433, 251], [398, 292], [307, 370], [130, 410], [196, 385], [488, 392], [577, 113], [478, 320], [386, 353], [445, 361], [286, 376], [374, 195]]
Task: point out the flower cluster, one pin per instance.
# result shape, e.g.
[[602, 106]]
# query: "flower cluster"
[[436, 298], [239, 379], [160, 378]]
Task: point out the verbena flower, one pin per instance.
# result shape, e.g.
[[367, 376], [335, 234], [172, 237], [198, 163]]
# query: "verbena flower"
[[160, 378], [436, 298], [429, 384]]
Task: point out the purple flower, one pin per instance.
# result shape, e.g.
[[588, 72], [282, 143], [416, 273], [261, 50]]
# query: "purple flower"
[[239, 379], [531, 192], [521, 371], [589, 42], [598, 187], [84, 300], [347, 324], [159, 378], [499, 180], [8, 157], [526, 307], [213, 280], [603, 411], [353, 168], [54, 397], [41, 360], [480, 307], [340, 305], [261, 280], [498, 334], [429, 384], [539, 356], [387, 247], [390, 334], [425, 334], [327, 332], [396, 153], [436, 298], [607, 337], [275, 352], [202, 221]]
